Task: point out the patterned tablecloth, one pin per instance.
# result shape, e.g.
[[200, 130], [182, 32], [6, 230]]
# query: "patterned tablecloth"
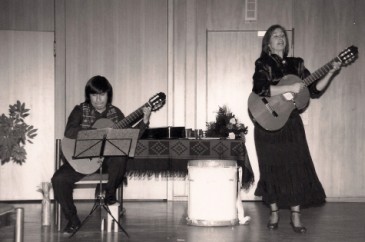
[[172, 156]]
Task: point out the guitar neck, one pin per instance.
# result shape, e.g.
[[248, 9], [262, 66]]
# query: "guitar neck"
[[320, 72], [131, 118]]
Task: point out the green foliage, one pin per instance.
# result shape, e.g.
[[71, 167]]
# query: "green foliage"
[[225, 123], [14, 133]]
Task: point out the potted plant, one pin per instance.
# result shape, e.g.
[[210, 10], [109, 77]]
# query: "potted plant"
[[14, 133], [225, 123]]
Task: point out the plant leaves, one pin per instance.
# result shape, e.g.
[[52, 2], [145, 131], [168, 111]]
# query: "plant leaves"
[[32, 136], [13, 134]]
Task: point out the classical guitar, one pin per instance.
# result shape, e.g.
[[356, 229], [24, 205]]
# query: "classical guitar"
[[271, 113], [88, 166]]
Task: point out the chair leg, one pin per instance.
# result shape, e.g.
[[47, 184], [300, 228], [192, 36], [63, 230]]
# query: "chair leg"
[[57, 206], [19, 226], [57, 215], [120, 196]]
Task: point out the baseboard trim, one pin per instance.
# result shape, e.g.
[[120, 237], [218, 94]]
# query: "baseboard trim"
[[185, 198], [346, 199]]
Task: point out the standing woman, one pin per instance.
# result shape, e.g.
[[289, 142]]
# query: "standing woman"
[[287, 175]]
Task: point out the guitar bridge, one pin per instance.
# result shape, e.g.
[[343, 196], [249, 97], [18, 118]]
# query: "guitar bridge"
[[268, 107]]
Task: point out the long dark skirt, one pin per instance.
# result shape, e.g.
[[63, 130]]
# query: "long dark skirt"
[[287, 173]]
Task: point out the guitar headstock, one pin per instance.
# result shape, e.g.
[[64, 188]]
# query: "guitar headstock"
[[348, 55], [157, 101]]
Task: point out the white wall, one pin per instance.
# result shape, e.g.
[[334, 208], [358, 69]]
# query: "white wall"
[[27, 75]]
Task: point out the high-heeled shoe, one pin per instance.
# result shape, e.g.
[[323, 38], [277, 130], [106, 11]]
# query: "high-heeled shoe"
[[273, 226], [297, 229]]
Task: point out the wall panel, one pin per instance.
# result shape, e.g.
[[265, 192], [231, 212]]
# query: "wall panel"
[[180, 72], [335, 121], [27, 75], [27, 72], [35, 15], [125, 41]]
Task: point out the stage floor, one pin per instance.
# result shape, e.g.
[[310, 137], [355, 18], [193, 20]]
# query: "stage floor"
[[158, 221]]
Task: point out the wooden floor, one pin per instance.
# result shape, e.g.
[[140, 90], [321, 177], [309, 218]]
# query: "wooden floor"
[[166, 221]]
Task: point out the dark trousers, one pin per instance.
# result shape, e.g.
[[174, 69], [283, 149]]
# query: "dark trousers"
[[64, 179]]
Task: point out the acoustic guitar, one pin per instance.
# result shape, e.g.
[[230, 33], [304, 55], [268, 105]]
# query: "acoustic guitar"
[[271, 113], [90, 165]]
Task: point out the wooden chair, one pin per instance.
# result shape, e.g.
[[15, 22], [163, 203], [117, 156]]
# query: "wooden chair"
[[88, 181]]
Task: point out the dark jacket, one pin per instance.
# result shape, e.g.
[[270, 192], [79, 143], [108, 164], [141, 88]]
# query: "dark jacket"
[[270, 69]]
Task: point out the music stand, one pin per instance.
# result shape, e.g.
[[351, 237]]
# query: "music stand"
[[100, 143]]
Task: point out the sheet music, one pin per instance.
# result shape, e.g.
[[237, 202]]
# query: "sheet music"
[[117, 142]]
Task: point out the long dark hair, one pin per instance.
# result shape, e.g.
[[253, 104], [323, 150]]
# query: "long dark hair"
[[98, 85], [265, 49]]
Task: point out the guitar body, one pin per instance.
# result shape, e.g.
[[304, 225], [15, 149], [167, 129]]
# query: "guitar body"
[[83, 166], [271, 113]]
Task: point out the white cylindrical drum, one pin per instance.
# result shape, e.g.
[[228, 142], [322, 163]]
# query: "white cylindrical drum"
[[212, 192]]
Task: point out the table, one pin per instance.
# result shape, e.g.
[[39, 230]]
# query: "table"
[[171, 156]]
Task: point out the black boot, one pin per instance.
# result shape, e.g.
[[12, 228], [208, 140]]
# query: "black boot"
[[72, 225]]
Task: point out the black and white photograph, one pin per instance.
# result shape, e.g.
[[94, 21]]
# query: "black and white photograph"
[[182, 120]]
